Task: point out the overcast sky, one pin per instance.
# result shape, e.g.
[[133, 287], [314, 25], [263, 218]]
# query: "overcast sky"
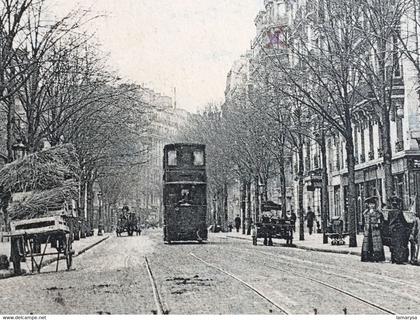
[[187, 44]]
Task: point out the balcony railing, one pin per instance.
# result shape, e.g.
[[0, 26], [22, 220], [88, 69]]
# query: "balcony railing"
[[371, 155], [362, 158], [380, 152]]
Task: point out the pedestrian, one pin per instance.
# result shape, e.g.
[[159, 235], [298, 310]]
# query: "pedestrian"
[[254, 234], [230, 226], [318, 227], [293, 220], [399, 229], [237, 223], [372, 221], [415, 240], [267, 227], [310, 217], [414, 234], [248, 230]]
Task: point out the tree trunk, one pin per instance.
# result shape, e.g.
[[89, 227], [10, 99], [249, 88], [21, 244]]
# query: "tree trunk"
[[248, 202], [387, 153], [282, 186], [324, 189], [225, 206], [257, 199], [351, 191], [300, 190], [243, 203], [90, 211], [9, 129]]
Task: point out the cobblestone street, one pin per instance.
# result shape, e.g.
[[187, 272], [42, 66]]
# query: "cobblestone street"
[[222, 276]]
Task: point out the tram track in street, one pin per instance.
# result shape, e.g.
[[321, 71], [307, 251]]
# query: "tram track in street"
[[156, 296], [304, 276], [248, 285], [330, 286], [368, 273], [335, 268], [130, 261]]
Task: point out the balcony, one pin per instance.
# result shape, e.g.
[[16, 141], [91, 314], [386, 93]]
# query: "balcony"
[[399, 146], [362, 158], [371, 155], [380, 152]]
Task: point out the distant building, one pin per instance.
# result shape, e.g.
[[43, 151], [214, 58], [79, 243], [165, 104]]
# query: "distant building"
[[166, 121]]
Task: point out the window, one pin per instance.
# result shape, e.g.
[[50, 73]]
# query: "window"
[[172, 158], [198, 158], [371, 143]]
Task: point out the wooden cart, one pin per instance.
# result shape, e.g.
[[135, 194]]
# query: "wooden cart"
[[274, 226], [30, 239]]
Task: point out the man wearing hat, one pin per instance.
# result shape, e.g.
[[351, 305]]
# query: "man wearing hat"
[[400, 231], [372, 247]]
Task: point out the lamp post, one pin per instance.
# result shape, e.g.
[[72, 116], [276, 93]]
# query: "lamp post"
[[100, 227], [19, 150]]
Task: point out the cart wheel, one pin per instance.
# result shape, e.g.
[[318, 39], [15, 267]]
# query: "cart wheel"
[[69, 253]]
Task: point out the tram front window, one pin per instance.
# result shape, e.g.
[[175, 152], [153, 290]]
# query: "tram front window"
[[198, 157], [172, 158]]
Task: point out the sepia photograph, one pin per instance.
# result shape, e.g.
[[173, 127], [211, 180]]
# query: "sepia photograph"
[[228, 159]]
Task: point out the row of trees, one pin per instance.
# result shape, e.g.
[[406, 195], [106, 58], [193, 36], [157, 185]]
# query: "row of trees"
[[335, 59], [56, 87]]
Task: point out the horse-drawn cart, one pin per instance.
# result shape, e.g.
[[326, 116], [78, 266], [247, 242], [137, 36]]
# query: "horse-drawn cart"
[[30, 239], [274, 226]]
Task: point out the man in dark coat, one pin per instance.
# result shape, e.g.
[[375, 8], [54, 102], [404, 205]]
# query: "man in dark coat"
[[399, 230], [237, 223], [267, 230], [310, 218], [293, 219], [372, 247]]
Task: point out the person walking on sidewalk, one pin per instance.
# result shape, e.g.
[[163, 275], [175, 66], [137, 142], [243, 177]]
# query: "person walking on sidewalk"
[[415, 240], [415, 234], [310, 218], [237, 223], [372, 247], [293, 220], [399, 229], [254, 234]]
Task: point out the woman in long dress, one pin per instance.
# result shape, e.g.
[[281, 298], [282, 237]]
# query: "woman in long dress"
[[372, 247], [400, 231]]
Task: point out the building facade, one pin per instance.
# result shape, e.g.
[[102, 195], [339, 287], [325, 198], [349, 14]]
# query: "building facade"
[[404, 120], [165, 122]]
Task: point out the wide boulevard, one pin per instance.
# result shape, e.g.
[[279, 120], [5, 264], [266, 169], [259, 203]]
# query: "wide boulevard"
[[142, 275]]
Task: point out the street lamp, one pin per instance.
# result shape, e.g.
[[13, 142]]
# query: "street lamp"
[[100, 227], [19, 150]]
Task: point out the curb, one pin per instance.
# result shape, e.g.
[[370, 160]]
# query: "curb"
[[52, 260], [91, 246], [302, 247]]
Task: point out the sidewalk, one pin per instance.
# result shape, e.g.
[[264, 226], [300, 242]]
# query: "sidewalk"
[[79, 247], [312, 242]]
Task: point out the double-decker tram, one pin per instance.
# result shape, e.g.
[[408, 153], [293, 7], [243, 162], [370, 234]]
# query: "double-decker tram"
[[184, 192]]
